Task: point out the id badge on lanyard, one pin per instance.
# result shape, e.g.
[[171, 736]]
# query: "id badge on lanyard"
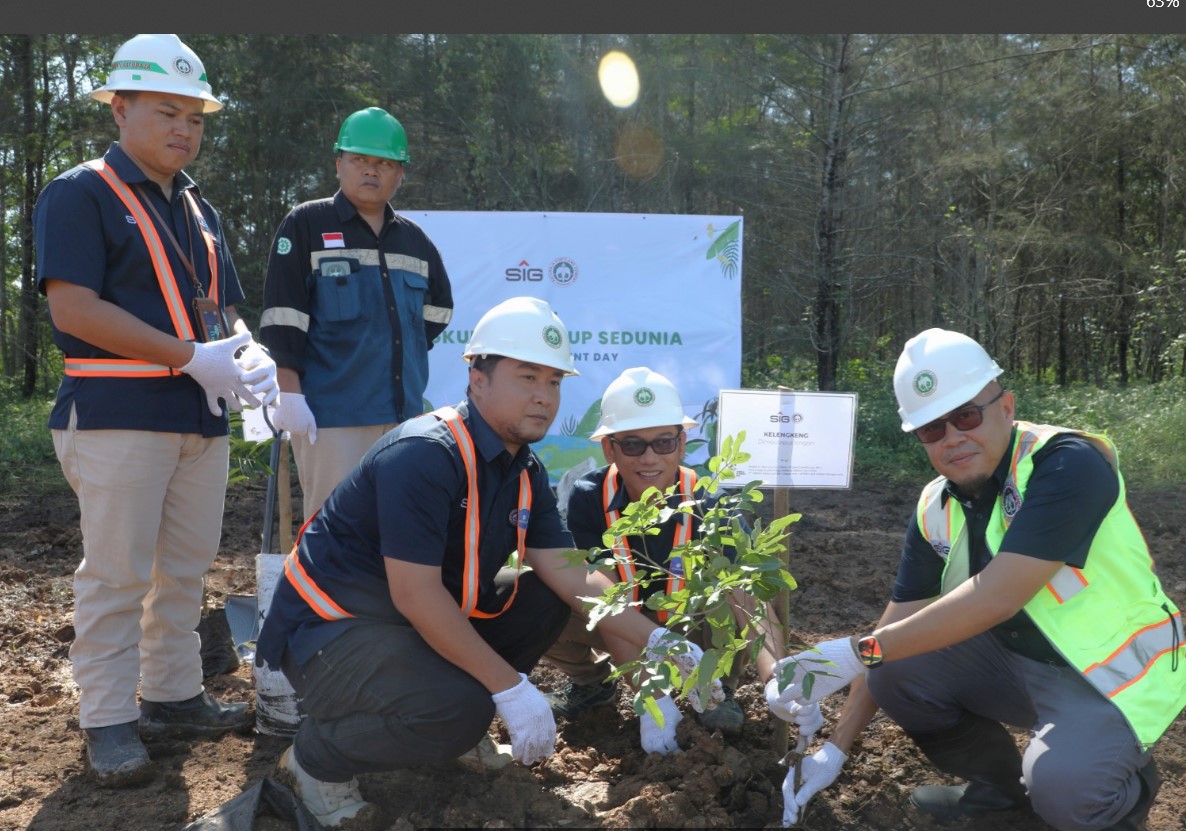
[[212, 323]]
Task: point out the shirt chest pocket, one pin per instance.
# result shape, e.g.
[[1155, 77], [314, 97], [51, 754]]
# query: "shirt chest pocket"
[[338, 290], [410, 289]]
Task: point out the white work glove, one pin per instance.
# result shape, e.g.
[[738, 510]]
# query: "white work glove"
[[807, 716], [293, 414], [829, 677], [656, 739], [817, 772], [529, 720], [259, 373], [663, 644], [213, 366]]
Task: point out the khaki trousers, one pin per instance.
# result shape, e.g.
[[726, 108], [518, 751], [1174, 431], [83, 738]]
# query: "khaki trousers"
[[151, 516], [321, 466]]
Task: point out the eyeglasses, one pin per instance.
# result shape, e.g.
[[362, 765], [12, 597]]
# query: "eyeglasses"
[[636, 447], [964, 419]]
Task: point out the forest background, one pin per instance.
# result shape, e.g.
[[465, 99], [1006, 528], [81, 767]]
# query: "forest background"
[[1024, 189]]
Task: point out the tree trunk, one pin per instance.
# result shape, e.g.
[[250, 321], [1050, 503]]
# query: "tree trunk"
[[27, 331], [827, 301]]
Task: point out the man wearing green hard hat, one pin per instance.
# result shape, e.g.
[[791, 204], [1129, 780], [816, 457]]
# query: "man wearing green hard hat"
[[353, 298]]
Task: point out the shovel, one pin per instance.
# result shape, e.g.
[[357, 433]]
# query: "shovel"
[[276, 712]]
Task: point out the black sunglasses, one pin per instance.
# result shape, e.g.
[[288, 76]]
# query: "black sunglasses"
[[636, 447], [966, 418]]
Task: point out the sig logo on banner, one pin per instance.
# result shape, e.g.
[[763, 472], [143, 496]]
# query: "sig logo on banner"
[[780, 418], [524, 272]]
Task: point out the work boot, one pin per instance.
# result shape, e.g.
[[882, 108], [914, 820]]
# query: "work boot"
[[197, 717], [1134, 820], [573, 699], [726, 716], [336, 805], [979, 750], [117, 756], [486, 756]]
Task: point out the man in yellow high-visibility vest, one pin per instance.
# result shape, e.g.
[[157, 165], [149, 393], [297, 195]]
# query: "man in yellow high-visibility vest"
[[1025, 596]]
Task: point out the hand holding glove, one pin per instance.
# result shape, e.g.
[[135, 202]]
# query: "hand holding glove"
[[656, 739], [259, 373], [817, 772], [663, 644], [293, 414], [833, 664], [213, 366], [529, 720]]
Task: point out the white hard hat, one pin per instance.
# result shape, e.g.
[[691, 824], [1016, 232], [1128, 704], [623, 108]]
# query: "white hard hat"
[[637, 399], [524, 328], [158, 63], [938, 371]]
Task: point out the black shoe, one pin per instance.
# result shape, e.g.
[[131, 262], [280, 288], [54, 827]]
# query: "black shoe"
[[574, 699], [197, 717], [948, 802], [117, 756], [726, 716]]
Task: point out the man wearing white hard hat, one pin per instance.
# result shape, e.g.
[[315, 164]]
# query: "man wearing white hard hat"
[[1025, 596], [643, 435], [398, 623], [142, 293]]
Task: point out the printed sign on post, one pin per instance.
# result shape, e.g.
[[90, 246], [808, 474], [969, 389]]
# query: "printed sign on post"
[[795, 439]]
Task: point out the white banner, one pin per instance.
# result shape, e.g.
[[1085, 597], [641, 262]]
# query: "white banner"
[[662, 291]]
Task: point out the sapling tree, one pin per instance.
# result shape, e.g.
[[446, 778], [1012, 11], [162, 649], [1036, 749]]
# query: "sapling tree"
[[734, 555]]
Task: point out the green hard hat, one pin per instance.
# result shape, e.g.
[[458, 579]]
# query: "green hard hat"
[[373, 132]]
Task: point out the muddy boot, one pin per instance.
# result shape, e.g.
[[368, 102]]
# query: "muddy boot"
[[979, 750], [116, 756], [1134, 820]]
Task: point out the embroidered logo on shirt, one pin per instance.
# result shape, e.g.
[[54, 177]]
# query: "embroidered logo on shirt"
[[334, 240], [520, 518], [1010, 501], [131, 219], [283, 245]]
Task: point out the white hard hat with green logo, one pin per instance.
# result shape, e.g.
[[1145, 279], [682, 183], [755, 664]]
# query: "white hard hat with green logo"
[[938, 371], [524, 328], [158, 63], [639, 399]]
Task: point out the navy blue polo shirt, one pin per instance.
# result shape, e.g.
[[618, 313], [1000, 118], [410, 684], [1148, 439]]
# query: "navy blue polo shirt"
[[354, 313], [406, 500], [1070, 491], [84, 235], [586, 521]]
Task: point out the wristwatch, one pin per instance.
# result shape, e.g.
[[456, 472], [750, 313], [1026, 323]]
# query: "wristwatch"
[[869, 651]]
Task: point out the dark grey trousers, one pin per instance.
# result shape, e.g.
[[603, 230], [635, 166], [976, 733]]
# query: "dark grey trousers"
[[1081, 763], [379, 698]]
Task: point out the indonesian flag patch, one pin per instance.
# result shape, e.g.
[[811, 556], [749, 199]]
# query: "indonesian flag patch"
[[334, 240]]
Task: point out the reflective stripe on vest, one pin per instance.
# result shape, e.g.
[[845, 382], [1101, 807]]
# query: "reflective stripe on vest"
[[325, 607], [623, 556], [178, 313], [469, 457], [1139, 672]]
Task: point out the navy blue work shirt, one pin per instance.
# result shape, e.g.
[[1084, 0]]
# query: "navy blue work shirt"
[[1070, 491], [406, 500], [354, 313], [85, 236]]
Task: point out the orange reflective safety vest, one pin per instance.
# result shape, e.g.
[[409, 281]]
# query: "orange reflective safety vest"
[[683, 533], [325, 607], [174, 300]]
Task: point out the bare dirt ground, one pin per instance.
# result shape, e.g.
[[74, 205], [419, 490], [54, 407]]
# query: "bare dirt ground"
[[843, 555]]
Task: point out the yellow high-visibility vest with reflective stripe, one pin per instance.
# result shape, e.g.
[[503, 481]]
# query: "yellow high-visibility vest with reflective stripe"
[[1110, 620]]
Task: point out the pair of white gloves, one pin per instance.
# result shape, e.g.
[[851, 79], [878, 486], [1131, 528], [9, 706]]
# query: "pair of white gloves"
[[833, 665], [251, 376], [529, 720]]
